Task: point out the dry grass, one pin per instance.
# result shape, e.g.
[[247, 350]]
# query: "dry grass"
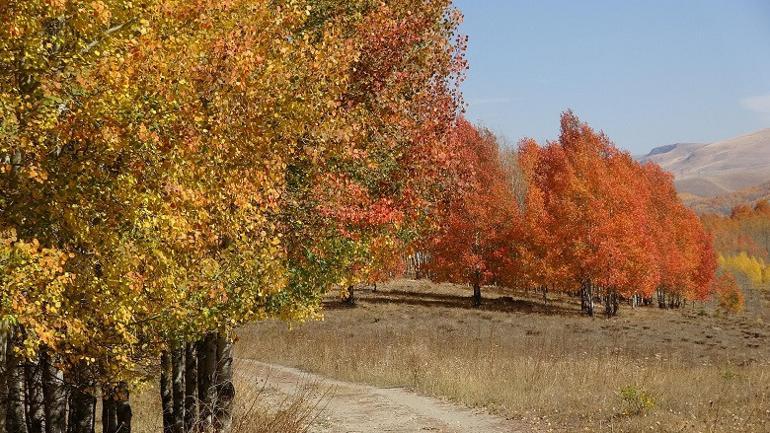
[[255, 411], [670, 371]]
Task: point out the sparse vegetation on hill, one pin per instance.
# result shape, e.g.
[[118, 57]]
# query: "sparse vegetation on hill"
[[719, 168], [724, 204]]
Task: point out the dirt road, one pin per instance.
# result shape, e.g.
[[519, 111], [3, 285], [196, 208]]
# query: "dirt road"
[[354, 408]]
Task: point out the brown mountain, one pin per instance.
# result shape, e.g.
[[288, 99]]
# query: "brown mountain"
[[728, 167]]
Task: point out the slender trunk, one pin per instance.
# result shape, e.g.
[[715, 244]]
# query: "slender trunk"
[[224, 384], [611, 304], [54, 394], [82, 408], [587, 298], [123, 411], [4, 333], [476, 294], [191, 388], [207, 361], [15, 416], [661, 298], [109, 412], [203, 380], [177, 389], [165, 392], [34, 396]]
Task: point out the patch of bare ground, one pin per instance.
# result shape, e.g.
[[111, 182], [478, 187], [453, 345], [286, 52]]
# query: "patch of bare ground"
[[354, 407], [691, 370]]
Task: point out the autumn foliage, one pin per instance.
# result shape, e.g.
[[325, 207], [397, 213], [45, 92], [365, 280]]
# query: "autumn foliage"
[[745, 229], [742, 239], [728, 293], [589, 220], [172, 169], [472, 245]]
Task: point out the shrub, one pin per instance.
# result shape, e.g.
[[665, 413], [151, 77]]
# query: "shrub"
[[636, 400]]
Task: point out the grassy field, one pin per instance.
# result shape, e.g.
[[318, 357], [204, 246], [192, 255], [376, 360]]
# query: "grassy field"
[[691, 370]]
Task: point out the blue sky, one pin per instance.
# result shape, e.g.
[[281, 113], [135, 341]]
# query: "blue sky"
[[647, 72]]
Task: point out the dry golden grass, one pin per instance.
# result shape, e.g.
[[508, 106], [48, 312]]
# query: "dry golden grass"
[[693, 370], [254, 411]]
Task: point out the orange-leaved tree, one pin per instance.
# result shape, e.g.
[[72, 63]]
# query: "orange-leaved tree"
[[472, 245], [596, 220]]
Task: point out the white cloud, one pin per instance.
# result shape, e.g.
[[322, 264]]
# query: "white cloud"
[[758, 104]]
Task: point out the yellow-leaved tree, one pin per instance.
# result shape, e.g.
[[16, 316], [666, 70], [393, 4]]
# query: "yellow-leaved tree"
[[172, 169]]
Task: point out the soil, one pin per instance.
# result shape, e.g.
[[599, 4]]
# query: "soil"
[[352, 408]]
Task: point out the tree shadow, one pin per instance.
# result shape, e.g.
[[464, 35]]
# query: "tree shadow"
[[506, 304]]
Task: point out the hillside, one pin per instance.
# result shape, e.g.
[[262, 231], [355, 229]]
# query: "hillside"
[[717, 169], [723, 204]]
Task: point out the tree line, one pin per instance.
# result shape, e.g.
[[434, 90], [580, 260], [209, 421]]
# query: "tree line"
[[575, 215], [745, 230], [171, 169], [743, 241]]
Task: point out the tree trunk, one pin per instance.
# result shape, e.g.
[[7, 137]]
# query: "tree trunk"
[[177, 388], [123, 411], [15, 416], [167, 401], [207, 363], [191, 388], [351, 298], [4, 332], [54, 395], [224, 384], [587, 298], [661, 298], [611, 304], [82, 408], [34, 397], [476, 294], [109, 411]]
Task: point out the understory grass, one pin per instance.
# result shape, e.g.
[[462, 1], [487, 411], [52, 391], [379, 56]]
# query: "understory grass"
[[694, 370], [254, 410]]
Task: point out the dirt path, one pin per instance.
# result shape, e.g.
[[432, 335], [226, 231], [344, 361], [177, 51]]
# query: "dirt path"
[[354, 408]]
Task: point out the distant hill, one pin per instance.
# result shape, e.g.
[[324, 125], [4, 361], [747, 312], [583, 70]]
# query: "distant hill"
[[715, 174], [723, 204]]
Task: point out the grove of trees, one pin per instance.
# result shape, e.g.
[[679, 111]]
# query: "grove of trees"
[[171, 169], [746, 229], [575, 215], [743, 241]]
